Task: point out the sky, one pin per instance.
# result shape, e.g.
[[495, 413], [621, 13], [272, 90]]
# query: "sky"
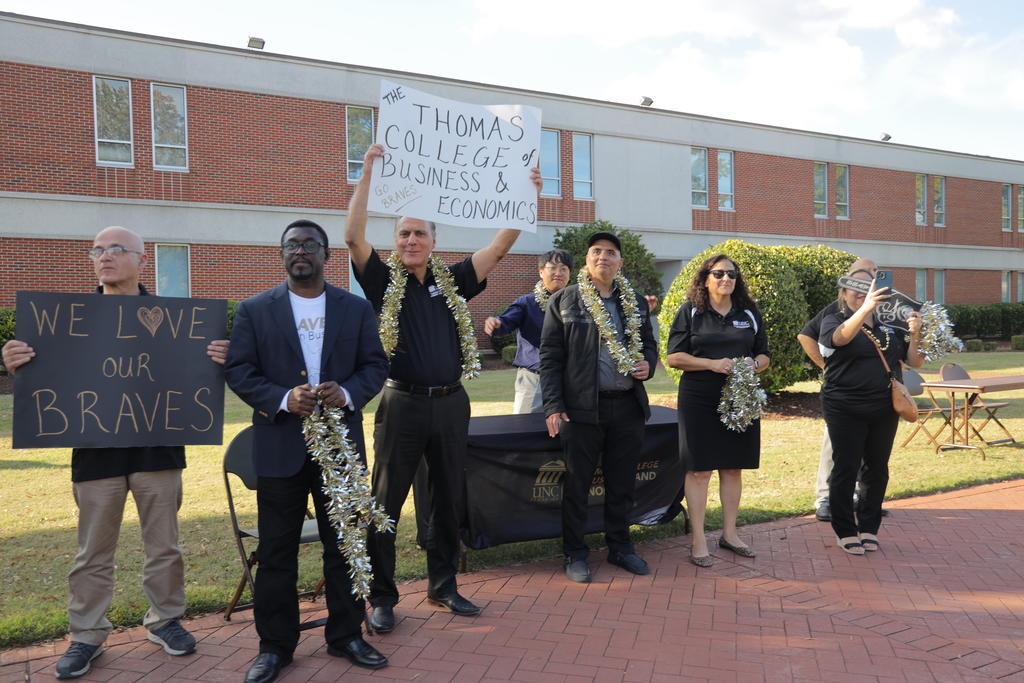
[[946, 74]]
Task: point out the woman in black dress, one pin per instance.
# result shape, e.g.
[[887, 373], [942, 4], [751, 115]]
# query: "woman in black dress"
[[718, 322], [857, 403]]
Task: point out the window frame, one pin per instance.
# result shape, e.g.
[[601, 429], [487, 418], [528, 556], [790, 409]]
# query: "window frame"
[[921, 283], [1006, 207], [348, 160], [1020, 208], [939, 195], [705, 206], [1020, 285], [846, 189], [1006, 286], [590, 169], [156, 265], [96, 125], [939, 287], [732, 180], [921, 199], [558, 163], [823, 167], [152, 127]]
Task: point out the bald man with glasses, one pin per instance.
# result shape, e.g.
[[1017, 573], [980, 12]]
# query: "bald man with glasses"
[[101, 480]]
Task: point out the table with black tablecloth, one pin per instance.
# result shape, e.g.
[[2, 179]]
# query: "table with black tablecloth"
[[514, 474]]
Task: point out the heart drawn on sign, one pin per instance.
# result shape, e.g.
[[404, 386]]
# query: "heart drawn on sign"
[[151, 318]]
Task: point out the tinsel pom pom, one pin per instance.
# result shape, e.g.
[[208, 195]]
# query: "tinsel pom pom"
[[937, 338], [743, 399]]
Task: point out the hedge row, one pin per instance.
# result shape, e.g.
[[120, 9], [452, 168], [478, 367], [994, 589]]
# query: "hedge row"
[[992, 321]]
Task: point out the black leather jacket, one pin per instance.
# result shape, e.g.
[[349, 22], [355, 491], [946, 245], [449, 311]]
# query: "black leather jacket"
[[569, 345]]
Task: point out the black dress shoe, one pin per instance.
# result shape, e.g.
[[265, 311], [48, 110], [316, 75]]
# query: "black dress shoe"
[[885, 513], [631, 562], [824, 512], [359, 652], [382, 619], [456, 603], [266, 667]]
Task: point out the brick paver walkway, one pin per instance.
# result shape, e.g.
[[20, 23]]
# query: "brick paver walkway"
[[943, 601]]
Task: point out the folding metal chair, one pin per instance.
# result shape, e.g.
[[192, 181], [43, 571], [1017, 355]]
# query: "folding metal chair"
[[951, 371], [238, 462], [926, 409]]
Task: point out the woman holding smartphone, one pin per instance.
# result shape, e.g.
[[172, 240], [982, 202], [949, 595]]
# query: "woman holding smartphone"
[[857, 403]]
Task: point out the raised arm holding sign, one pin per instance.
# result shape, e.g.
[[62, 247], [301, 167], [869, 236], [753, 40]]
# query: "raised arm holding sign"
[[428, 335]]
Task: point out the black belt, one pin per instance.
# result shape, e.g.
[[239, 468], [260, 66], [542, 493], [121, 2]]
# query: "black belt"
[[431, 392], [615, 394]]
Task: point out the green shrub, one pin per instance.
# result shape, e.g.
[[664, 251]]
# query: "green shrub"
[[508, 353], [973, 345], [6, 329], [232, 307], [964, 319], [989, 346], [775, 288], [499, 342], [1012, 319], [990, 320], [638, 262], [1017, 342]]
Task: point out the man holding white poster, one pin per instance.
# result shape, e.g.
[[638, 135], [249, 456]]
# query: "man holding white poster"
[[427, 332], [455, 163]]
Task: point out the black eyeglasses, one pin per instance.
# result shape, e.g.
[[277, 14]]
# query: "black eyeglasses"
[[96, 253], [731, 274], [309, 246]]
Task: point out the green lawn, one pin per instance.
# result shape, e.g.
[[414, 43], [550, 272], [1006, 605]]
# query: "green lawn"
[[37, 513]]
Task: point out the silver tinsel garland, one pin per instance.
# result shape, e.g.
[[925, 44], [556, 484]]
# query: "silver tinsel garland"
[[743, 399], [350, 505], [937, 338]]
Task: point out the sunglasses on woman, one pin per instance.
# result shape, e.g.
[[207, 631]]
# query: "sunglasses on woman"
[[719, 274]]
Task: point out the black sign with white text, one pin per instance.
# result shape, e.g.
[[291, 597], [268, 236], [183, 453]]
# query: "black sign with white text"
[[118, 371], [893, 311]]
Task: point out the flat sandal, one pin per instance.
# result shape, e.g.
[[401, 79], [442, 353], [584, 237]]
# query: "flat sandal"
[[870, 542], [701, 560], [851, 544]]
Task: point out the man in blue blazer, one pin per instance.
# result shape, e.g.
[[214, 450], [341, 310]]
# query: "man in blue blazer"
[[300, 343]]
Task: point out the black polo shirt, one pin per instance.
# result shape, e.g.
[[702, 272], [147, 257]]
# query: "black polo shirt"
[[428, 350], [854, 374], [738, 334], [813, 327], [89, 464]]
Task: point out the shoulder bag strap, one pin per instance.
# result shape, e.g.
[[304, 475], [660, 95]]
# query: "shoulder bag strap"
[[881, 355]]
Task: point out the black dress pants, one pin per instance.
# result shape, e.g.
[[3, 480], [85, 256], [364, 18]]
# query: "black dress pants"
[[408, 429], [861, 442], [614, 443], [282, 507]]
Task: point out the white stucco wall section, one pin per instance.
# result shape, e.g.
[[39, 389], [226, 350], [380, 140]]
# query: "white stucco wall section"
[[642, 184]]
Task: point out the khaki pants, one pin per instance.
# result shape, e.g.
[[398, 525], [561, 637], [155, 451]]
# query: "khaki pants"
[[528, 397], [100, 509]]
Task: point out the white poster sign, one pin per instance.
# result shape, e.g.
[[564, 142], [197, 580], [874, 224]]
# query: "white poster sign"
[[455, 163]]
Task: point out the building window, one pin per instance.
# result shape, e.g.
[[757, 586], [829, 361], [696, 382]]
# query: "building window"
[[842, 191], [921, 284], [1020, 286], [582, 166], [1020, 208], [358, 138], [939, 201], [699, 177], [1006, 208], [170, 126], [550, 163], [1007, 286], [939, 287], [112, 118], [820, 189], [921, 200], [726, 181], [172, 272]]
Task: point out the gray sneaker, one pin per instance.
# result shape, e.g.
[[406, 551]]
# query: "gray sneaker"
[[77, 660], [174, 638]]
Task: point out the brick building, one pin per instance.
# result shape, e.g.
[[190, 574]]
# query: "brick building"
[[209, 151]]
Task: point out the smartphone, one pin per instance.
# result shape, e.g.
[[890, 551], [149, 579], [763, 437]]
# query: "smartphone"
[[883, 278]]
